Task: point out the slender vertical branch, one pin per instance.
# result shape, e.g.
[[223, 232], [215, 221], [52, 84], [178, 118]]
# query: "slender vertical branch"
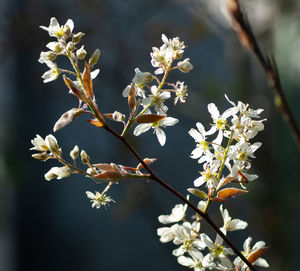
[[205, 216], [248, 40]]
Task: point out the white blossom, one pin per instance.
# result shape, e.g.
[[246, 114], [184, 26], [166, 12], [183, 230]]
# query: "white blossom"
[[58, 172], [247, 251], [55, 30], [98, 199], [231, 224], [51, 74]]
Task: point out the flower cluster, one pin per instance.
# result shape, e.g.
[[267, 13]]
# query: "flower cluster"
[[65, 44], [235, 126], [197, 250], [234, 129], [149, 91]]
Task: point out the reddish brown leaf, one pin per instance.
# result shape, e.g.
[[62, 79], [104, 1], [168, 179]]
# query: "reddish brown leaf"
[[107, 167], [225, 181], [87, 81], [147, 161], [149, 118], [256, 254], [74, 89], [131, 98], [108, 175], [228, 193], [96, 122]]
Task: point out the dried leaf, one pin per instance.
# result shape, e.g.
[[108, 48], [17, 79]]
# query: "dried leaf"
[[67, 117], [96, 122], [149, 118], [87, 81], [131, 98], [256, 254], [228, 193], [198, 193]]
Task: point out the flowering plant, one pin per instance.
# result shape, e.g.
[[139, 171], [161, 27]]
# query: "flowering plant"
[[224, 151]]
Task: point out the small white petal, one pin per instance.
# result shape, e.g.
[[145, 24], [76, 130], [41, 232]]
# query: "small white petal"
[[213, 110], [141, 128], [161, 136]]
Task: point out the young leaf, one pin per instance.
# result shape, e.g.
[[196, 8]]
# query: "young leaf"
[[108, 175], [198, 193], [107, 167], [256, 254], [74, 89], [228, 193], [149, 118], [87, 81], [132, 99], [96, 122]]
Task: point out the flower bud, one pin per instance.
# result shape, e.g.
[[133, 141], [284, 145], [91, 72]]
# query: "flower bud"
[[94, 57], [77, 37], [42, 156], [70, 46], [51, 143], [74, 153], [67, 31], [81, 53], [84, 157], [58, 172], [185, 65]]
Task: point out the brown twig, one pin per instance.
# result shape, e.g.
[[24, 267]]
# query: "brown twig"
[[248, 40], [155, 178]]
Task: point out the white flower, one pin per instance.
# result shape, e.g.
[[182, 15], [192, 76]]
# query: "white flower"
[[55, 30], [46, 56], [55, 46], [157, 99], [177, 214], [141, 78], [220, 121], [202, 145], [51, 74], [139, 91], [186, 236], [217, 250], [181, 92], [247, 253], [197, 261], [231, 224], [98, 199], [39, 144], [58, 172], [175, 47], [208, 175], [161, 136]]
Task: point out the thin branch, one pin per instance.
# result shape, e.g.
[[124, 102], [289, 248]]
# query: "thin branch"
[[205, 216], [248, 40]]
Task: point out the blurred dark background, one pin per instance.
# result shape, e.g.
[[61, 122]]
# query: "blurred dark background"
[[51, 225]]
